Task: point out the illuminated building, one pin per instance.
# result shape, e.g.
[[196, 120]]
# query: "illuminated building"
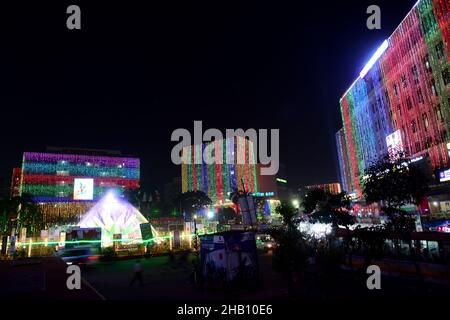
[[333, 188], [67, 185], [220, 179], [400, 101]]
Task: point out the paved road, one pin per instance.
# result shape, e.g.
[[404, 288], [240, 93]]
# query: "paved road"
[[162, 281], [40, 279]]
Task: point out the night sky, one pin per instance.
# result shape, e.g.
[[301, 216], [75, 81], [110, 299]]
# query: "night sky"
[[134, 73]]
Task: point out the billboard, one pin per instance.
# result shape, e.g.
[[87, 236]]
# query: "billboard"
[[83, 189], [394, 143], [444, 175]]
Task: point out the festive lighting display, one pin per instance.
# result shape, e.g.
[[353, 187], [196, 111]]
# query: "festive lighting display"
[[114, 216], [406, 88], [219, 179], [49, 179], [333, 188]]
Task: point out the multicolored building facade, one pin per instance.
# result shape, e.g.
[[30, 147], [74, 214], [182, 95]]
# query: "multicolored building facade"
[[334, 187], [223, 177], [66, 186], [401, 99]]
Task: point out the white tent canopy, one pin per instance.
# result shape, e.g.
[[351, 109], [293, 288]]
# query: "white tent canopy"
[[114, 216]]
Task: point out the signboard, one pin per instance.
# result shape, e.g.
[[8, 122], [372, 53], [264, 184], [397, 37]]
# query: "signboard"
[[116, 241], [394, 144], [176, 239], [4, 244], [12, 246], [248, 210], [146, 231], [44, 235], [444, 175], [23, 235], [83, 189]]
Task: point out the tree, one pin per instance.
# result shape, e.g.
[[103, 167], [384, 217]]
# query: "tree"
[[225, 214], [290, 254], [193, 201], [21, 212], [395, 182], [326, 207]]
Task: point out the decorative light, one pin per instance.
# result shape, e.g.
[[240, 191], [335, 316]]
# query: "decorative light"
[[210, 214], [374, 58]]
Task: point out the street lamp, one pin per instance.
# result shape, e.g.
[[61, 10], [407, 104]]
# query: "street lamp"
[[296, 203]]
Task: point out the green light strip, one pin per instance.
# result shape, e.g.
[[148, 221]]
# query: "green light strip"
[[99, 241]]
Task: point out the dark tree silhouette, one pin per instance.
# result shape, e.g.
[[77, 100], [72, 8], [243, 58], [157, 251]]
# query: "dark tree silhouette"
[[291, 252], [193, 201], [325, 207]]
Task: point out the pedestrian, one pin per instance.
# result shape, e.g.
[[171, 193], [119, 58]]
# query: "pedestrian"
[[137, 273]]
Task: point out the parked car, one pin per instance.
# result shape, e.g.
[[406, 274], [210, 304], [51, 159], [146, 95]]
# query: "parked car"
[[265, 242], [79, 256]]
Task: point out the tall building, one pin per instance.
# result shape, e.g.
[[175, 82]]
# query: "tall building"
[[67, 185], [334, 187], [401, 99], [217, 180]]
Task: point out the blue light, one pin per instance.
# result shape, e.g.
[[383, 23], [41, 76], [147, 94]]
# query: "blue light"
[[374, 58]]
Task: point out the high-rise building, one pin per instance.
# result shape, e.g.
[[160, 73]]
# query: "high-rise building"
[[234, 168], [67, 185], [401, 99], [334, 187]]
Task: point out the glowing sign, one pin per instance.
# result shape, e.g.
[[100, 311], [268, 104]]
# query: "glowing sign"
[[281, 180], [444, 175], [83, 189], [394, 144], [374, 58]]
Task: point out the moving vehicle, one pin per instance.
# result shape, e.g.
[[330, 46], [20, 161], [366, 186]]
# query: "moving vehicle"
[[79, 256]]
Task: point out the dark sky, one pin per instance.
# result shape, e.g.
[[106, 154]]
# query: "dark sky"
[[135, 73]]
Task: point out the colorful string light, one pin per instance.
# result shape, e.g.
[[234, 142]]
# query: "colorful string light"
[[406, 89]]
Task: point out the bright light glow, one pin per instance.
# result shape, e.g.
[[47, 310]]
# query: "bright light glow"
[[210, 214], [317, 230], [83, 189], [374, 58], [195, 216], [114, 216], [281, 180], [416, 159], [296, 203]]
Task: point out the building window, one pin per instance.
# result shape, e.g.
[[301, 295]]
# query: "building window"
[[440, 50], [446, 76], [433, 87], [429, 142], [426, 60], [395, 90], [399, 109], [420, 96], [417, 145], [404, 81], [408, 102], [413, 126], [439, 113], [425, 121], [415, 73]]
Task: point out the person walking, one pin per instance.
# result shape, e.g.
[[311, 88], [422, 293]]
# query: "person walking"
[[137, 273]]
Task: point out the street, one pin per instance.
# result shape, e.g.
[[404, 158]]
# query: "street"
[[164, 281]]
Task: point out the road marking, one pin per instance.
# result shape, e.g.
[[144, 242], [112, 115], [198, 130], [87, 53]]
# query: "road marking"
[[93, 289]]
